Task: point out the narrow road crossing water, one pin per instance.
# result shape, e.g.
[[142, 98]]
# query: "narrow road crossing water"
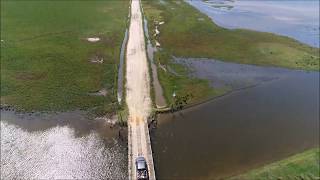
[[138, 94]]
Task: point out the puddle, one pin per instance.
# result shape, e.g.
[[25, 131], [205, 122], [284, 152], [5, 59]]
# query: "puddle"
[[93, 39], [159, 99]]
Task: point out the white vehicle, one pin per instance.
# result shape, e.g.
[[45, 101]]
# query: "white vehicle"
[[142, 168]]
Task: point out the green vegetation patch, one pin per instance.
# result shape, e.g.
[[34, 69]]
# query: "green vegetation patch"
[[187, 32], [181, 83], [301, 166], [48, 64]]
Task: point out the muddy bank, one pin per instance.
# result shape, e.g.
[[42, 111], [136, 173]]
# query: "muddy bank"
[[65, 145], [241, 131]]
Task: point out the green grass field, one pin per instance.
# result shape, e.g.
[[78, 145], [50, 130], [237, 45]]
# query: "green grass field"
[[45, 57], [301, 166], [184, 35]]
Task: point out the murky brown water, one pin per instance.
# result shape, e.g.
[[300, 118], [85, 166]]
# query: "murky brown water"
[[60, 146], [239, 131]]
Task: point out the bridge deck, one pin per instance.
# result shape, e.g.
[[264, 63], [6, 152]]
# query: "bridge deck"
[[139, 145]]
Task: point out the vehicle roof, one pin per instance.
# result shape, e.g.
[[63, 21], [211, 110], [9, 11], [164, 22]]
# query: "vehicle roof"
[[141, 163]]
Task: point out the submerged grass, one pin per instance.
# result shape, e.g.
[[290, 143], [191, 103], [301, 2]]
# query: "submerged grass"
[[186, 32], [45, 57], [301, 166]]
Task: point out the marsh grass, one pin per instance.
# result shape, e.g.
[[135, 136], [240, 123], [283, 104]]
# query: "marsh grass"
[[45, 57], [300, 166]]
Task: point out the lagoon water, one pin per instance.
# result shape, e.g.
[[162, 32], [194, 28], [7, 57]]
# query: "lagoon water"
[[240, 131], [298, 19], [60, 146]]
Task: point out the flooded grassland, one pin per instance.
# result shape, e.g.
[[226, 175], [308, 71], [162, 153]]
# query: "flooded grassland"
[[189, 33]]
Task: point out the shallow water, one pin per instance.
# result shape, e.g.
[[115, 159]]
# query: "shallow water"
[[60, 146], [120, 68], [159, 98], [240, 131], [232, 75], [297, 19]]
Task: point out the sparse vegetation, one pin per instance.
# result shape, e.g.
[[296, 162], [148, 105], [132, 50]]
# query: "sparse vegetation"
[[46, 61]]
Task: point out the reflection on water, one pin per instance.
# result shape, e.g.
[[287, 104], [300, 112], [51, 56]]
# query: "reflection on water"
[[61, 146], [240, 131], [297, 19]]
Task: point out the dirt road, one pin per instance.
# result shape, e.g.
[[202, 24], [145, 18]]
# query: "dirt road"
[[138, 94]]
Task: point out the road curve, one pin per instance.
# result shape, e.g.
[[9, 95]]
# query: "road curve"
[[138, 94]]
